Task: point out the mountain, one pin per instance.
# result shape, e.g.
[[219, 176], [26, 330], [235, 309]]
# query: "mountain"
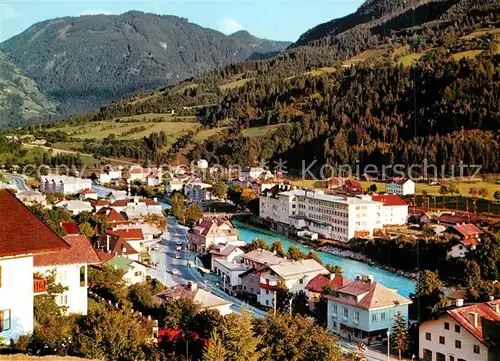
[[262, 47], [87, 61], [20, 98]]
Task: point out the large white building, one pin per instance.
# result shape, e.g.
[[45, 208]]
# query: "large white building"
[[469, 333], [401, 186], [53, 183], [394, 210], [22, 235]]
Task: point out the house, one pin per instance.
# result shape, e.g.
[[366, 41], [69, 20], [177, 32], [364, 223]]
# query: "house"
[[70, 228], [205, 299], [137, 207], [452, 219], [401, 186], [260, 258], [116, 196], [198, 191], [470, 333], [31, 197], [316, 286], [229, 272], [22, 236], [467, 231], [115, 245], [133, 236], [250, 283], [63, 184], [419, 218], [153, 181], [141, 174], [98, 204], [460, 250], [86, 194], [225, 252], [70, 268], [174, 185], [252, 172], [395, 209], [353, 186], [364, 309], [210, 232], [75, 207], [110, 174], [134, 272], [111, 216], [294, 274]]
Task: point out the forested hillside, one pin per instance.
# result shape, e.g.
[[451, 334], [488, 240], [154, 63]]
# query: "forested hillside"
[[20, 98], [87, 61]]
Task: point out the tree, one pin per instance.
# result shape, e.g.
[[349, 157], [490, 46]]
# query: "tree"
[[159, 222], [314, 256], [238, 337], [483, 192], [45, 306], [300, 303], [277, 247], [86, 229], [255, 244], [336, 269], [428, 298], [193, 214], [219, 190], [214, 349], [178, 207], [84, 217], [372, 188], [443, 190], [283, 296], [472, 280], [496, 195], [248, 195], [399, 335], [179, 313], [205, 322], [234, 193], [295, 254], [107, 282]]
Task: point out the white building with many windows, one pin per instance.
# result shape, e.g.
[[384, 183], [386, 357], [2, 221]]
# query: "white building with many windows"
[[401, 186], [53, 183], [334, 217], [470, 333]]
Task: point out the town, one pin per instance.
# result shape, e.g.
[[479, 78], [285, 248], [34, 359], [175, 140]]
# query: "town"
[[75, 235]]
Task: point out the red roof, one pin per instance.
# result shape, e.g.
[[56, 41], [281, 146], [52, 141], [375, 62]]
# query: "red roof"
[[111, 215], [87, 191], [467, 230], [400, 180], [120, 203], [21, 232], [389, 200], [104, 256], [319, 282], [98, 202], [117, 245], [130, 234], [452, 219], [81, 252], [487, 329], [70, 227], [469, 242]]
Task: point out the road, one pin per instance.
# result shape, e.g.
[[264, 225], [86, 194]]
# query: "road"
[[166, 257], [19, 182]]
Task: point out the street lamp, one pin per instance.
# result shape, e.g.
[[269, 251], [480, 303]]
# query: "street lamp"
[[388, 345]]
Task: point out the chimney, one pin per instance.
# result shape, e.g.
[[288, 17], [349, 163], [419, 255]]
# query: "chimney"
[[459, 302], [155, 199], [107, 242], [192, 286], [473, 319]]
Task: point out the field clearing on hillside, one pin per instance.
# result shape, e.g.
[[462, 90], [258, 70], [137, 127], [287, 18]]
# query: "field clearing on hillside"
[[365, 55], [235, 84], [203, 135], [409, 59], [321, 71], [481, 32], [182, 88], [263, 131], [466, 54], [431, 190], [150, 116], [173, 130]]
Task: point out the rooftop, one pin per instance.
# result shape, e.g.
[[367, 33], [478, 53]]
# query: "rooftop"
[[468, 230], [21, 232], [70, 227], [223, 250], [389, 200], [312, 194], [81, 252], [296, 269], [320, 281], [262, 256], [195, 294]]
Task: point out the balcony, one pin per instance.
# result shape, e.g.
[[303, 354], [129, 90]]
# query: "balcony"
[[39, 285]]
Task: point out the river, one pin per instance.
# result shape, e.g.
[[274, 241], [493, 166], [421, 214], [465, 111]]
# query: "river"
[[350, 267]]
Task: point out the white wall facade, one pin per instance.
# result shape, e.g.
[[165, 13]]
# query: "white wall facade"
[[16, 296], [408, 188], [63, 184], [75, 298], [394, 215], [436, 328], [137, 274]]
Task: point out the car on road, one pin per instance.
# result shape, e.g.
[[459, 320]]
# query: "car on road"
[[177, 256], [175, 271], [178, 248]]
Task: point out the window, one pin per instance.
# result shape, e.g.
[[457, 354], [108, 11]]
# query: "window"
[[301, 281], [382, 316], [374, 318], [334, 311], [428, 336], [267, 302], [345, 313], [267, 292], [476, 349], [138, 273], [4, 320], [458, 344], [446, 325], [62, 300], [457, 328], [356, 316], [442, 340], [452, 358]]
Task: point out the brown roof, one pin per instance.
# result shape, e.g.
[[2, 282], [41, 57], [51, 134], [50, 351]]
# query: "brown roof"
[[223, 250], [130, 234], [117, 245], [467, 230], [320, 281], [87, 191], [104, 256], [70, 227], [98, 202], [367, 295], [81, 252], [209, 227], [111, 215], [453, 219], [487, 329], [21, 232]]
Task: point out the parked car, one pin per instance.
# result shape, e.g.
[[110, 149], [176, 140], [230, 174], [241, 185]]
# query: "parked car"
[[175, 271], [177, 256], [179, 248]]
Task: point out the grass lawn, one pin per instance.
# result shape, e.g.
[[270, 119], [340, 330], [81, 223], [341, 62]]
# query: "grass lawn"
[[263, 131], [365, 55], [203, 135], [235, 84], [409, 59], [466, 54], [481, 32]]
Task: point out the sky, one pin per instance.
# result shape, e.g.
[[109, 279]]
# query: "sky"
[[271, 19]]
